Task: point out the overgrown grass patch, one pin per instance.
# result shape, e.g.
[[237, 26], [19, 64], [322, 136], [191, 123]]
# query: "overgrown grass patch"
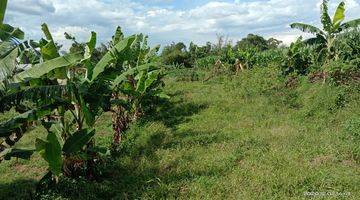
[[228, 138]]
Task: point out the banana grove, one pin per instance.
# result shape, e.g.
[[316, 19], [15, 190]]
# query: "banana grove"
[[66, 94]]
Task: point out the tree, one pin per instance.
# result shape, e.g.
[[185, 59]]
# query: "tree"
[[331, 29], [252, 41], [273, 43], [67, 93], [176, 53]]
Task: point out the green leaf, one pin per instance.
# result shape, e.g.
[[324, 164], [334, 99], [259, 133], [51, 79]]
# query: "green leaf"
[[163, 95], [49, 51], [8, 32], [17, 153], [41, 69], [105, 61], [8, 127], [118, 36], [325, 18], [3, 4], [350, 24], [50, 150], [152, 77], [8, 64], [34, 93], [90, 46], [131, 71], [89, 117], [307, 28], [140, 87], [339, 15], [45, 29], [5, 48], [77, 141]]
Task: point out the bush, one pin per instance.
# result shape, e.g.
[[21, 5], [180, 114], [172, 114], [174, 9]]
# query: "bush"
[[176, 54], [300, 58], [206, 62], [341, 72], [347, 46]]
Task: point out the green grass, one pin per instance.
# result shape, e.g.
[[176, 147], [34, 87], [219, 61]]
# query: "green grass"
[[244, 137]]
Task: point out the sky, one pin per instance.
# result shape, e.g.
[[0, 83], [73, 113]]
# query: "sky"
[[167, 21]]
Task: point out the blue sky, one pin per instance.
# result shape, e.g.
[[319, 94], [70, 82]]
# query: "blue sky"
[[167, 21]]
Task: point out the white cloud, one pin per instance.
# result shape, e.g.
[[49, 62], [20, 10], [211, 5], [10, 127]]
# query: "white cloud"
[[164, 24], [36, 7]]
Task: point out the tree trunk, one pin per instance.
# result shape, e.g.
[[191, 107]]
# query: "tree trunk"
[[120, 122]]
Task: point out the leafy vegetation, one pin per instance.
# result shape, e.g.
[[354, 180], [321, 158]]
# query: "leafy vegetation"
[[326, 38], [66, 94], [98, 121]]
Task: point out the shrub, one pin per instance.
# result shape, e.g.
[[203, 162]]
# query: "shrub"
[[206, 62], [341, 72], [300, 58]]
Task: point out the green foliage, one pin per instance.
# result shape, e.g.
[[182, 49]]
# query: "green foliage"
[[342, 72], [206, 62], [50, 150], [77, 141], [39, 70], [257, 42], [119, 48], [211, 137], [331, 29], [66, 94], [299, 59], [251, 57], [348, 46], [2, 10], [175, 54]]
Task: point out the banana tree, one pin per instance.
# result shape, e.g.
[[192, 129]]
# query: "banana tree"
[[37, 93], [326, 36], [137, 87], [63, 93]]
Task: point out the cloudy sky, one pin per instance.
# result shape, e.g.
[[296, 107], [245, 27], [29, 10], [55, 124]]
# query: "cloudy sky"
[[167, 21]]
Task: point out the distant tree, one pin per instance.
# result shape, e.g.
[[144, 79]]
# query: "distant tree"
[[253, 41], [273, 43], [176, 54]]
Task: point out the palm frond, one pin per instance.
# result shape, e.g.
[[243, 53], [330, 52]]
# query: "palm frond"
[[350, 24], [43, 94], [3, 4], [307, 28], [319, 39], [14, 124], [38, 70], [339, 15], [8, 65], [122, 77], [8, 33], [325, 18]]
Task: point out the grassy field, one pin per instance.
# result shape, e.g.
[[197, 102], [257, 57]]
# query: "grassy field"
[[241, 137]]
